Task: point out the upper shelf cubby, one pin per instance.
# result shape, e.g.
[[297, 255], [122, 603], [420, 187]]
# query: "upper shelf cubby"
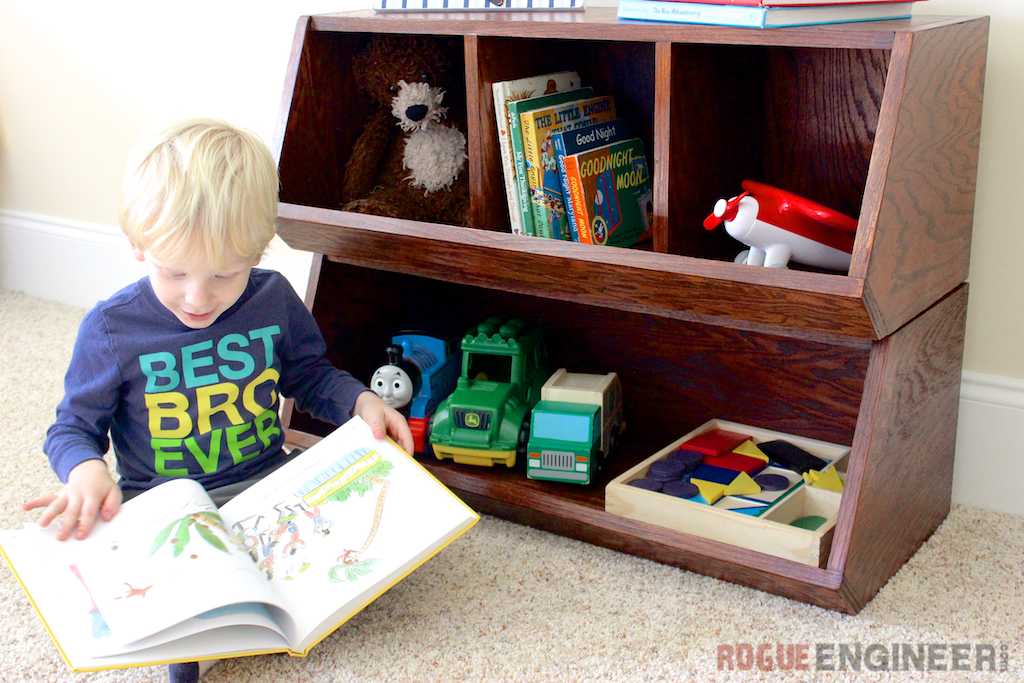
[[878, 120]]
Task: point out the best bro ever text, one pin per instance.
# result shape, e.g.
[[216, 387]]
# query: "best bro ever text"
[[172, 427]]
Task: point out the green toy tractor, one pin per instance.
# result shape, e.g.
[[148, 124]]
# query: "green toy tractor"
[[486, 420]]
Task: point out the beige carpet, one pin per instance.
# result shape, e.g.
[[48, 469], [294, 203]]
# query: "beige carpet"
[[509, 603]]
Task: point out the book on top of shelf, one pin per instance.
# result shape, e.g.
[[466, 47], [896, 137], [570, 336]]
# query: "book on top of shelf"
[[478, 5], [541, 169], [790, 3], [760, 17], [578, 140], [610, 188], [286, 562], [515, 136], [511, 91]]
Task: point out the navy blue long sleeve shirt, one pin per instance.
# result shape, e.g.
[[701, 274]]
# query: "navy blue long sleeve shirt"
[[182, 402]]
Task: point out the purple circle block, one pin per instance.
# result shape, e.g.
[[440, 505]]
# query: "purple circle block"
[[689, 459], [772, 482], [680, 489], [646, 484], [665, 470]]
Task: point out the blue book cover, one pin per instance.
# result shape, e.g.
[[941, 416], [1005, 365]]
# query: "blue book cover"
[[538, 126], [760, 17]]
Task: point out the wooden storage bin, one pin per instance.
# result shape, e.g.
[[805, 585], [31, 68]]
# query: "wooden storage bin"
[[880, 120], [768, 533]]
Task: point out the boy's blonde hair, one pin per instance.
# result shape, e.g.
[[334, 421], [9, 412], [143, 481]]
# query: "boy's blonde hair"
[[200, 186]]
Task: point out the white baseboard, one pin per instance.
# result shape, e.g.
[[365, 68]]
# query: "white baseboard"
[[80, 264], [988, 453]]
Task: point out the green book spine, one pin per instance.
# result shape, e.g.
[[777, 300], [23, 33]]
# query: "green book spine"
[[515, 111]]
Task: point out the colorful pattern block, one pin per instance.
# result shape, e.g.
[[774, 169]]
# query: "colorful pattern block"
[[744, 506], [715, 442], [810, 522], [748, 447], [710, 491], [719, 475], [740, 463], [791, 456], [770, 497], [743, 485], [828, 480]]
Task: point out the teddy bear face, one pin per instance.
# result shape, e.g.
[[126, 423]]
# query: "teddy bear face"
[[417, 105], [409, 163], [388, 59]]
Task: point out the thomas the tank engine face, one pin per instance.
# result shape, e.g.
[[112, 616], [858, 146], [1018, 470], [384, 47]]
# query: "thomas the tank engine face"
[[392, 384]]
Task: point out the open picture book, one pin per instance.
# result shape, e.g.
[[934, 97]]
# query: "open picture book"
[[277, 569]]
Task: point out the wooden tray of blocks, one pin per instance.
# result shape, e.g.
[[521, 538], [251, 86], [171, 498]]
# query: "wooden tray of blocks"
[[726, 482]]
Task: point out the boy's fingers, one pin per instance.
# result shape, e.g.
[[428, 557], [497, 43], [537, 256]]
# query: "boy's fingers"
[[406, 443], [87, 518], [56, 506], [399, 430], [41, 502], [69, 519], [111, 503], [378, 429]]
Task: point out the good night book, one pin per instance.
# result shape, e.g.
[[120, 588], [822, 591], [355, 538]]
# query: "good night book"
[[277, 569]]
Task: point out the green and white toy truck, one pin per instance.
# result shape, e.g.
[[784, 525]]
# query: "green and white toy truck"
[[486, 420], [574, 427]]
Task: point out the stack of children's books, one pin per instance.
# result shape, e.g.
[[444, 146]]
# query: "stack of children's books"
[[572, 172], [764, 13]]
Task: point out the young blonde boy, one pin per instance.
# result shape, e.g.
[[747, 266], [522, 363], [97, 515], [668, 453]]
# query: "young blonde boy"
[[185, 369]]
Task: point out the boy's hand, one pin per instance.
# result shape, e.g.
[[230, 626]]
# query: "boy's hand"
[[89, 491], [384, 420]]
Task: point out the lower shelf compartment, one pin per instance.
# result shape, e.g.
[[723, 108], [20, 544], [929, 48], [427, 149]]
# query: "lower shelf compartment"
[[894, 401]]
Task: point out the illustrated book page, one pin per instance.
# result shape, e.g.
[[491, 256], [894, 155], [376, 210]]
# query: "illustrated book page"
[[277, 569]]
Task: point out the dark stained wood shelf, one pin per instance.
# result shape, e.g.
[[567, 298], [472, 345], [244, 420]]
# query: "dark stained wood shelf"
[[880, 120]]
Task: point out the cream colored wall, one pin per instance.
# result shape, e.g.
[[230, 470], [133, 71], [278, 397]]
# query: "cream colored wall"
[[79, 82], [995, 318]]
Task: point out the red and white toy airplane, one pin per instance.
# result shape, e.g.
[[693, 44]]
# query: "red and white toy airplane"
[[780, 226]]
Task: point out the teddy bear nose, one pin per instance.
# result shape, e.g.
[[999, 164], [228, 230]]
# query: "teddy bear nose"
[[416, 112]]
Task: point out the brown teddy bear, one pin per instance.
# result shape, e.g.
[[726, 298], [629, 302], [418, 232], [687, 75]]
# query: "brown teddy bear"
[[410, 159]]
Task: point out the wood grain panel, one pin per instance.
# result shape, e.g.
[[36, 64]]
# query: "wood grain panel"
[[780, 302], [900, 477], [600, 23], [821, 112], [921, 243]]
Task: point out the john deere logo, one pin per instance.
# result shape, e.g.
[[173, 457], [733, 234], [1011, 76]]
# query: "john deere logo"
[[472, 420]]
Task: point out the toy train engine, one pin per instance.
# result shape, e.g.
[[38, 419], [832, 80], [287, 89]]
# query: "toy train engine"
[[421, 371]]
